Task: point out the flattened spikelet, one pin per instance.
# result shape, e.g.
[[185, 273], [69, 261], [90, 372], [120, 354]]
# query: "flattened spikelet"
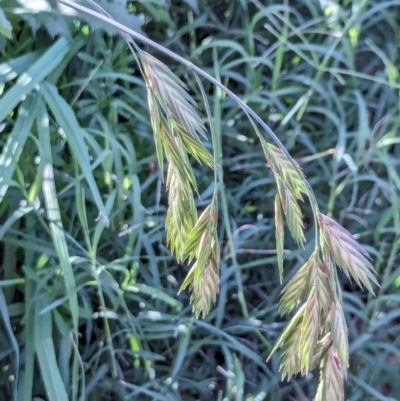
[[290, 359], [172, 96], [290, 189], [340, 335], [181, 215], [296, 289], [331, 378], [347, 253], [310, 329], [203, 278], [293, 214], [282, 167]]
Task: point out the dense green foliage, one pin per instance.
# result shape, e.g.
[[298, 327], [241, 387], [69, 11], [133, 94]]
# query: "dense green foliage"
[[88, 290]]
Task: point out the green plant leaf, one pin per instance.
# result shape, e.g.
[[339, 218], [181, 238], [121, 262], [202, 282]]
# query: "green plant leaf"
[[33, 76], [74, 133], [46, 355], [16, 141], [5, 25], [54, 215]]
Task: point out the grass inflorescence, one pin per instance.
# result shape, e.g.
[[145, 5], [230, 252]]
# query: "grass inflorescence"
[[85, 219]]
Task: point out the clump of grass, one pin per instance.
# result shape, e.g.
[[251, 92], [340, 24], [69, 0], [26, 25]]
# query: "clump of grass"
[[317, 334]]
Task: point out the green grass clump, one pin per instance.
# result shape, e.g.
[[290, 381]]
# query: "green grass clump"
[[93, 134]]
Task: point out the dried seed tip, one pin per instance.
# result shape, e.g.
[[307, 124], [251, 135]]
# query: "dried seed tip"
[[347, 253]]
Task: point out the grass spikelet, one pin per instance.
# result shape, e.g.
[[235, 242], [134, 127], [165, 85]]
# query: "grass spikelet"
[[296, 289], [323, 288], [290, 189], [289, 329], [347, 253], [282, 167], [331, 377], [181, 215], [177, 156], [205, 226], [290, 359], [340, 335], [292, 212], [320, 350], [310, 329], [172, 95], [155, 120], [203, 278]]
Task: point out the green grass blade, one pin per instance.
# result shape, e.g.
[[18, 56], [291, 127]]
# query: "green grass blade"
[[15, 142], [34, 76], [46, 354], [5, 25], [54, 215], [68, 122], [7, 323]]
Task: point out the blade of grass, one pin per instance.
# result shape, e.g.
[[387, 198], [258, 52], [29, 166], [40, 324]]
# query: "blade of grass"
[[7, 323], [16, 141], [67, 120], [46, 354], [54, 215], [33, 76]]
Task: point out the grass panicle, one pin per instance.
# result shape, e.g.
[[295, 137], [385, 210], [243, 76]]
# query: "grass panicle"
[[109, 161], [317, 334], [176, 126]]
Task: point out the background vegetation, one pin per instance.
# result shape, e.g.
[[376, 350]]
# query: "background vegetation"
[[77, 145]]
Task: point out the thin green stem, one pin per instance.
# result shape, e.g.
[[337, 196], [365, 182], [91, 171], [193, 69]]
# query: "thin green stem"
[[212, 129]]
